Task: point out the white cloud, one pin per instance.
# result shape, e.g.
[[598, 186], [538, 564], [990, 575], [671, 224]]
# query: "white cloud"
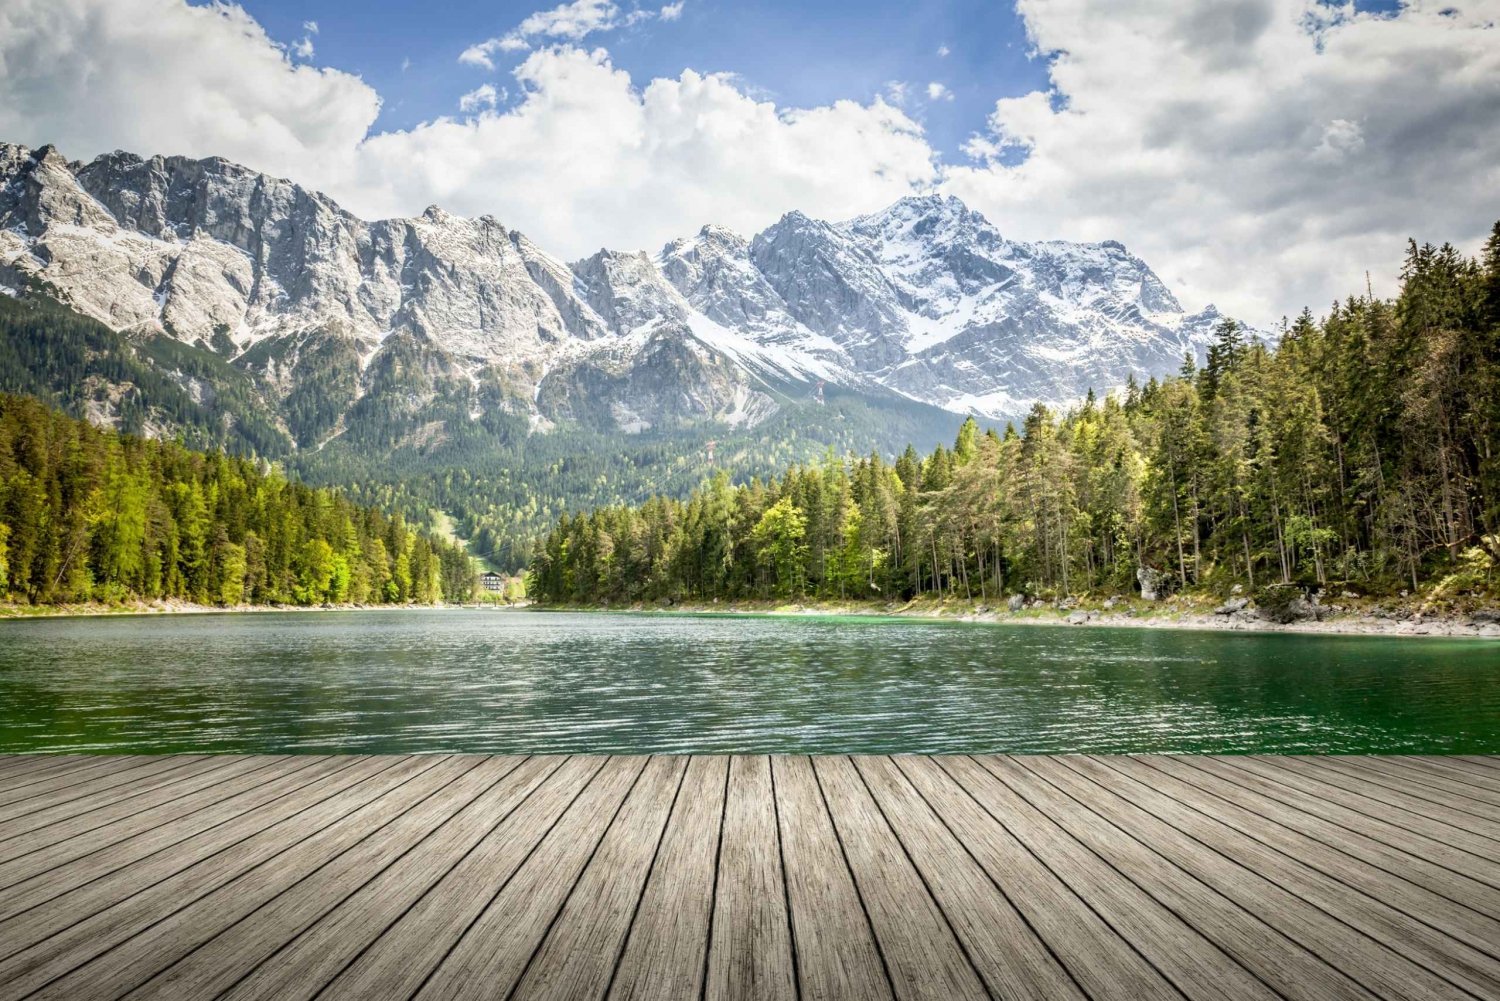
[[303, 48], [481, 97], [938, 92], [897, 91], [1258, 153], [568, 22], [163, 76], [311, 27], [587, 159], [671, 11], [943, 51]]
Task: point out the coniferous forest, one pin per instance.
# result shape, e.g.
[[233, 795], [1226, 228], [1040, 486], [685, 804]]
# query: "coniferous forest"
[[1361, 452], [94, 515]]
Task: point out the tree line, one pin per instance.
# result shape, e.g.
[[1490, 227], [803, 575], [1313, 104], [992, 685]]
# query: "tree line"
[[1361, 451], [90, 514]]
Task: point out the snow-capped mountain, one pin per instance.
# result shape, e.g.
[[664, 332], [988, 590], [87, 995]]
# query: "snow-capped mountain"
[[925, 299]]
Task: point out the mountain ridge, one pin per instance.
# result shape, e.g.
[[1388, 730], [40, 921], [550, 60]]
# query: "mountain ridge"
[[924, 300]]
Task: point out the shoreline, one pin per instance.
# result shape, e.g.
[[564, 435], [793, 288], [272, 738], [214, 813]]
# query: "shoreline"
[[16, 613], [1140, 615], [1136, 615]]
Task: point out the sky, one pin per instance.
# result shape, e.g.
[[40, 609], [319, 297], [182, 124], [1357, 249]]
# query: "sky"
[[1262, 155]]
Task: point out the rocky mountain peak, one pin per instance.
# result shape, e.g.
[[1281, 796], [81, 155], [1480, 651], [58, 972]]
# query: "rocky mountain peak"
[[924, 298]]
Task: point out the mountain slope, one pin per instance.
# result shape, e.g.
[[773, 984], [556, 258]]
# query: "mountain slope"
[[925, 299]]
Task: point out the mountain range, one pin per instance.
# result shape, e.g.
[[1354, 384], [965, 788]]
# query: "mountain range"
[[925, 300], [451, 369]]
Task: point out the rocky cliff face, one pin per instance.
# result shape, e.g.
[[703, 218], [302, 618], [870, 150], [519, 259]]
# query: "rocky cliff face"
[[925, 299]]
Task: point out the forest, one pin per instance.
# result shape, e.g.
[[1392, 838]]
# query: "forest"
[[1359, 453], [90, 514]]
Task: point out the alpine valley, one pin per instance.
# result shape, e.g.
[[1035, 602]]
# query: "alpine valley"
[[451, 368]]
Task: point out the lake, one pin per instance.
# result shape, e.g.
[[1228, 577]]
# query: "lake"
[[522, 681]]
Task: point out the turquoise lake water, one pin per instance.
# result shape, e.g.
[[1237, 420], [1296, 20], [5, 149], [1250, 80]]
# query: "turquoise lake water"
[[459, 680]]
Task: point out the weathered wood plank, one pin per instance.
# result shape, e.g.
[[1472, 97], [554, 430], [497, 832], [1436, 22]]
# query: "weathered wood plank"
[[1427, 784], [22, 770], [578, 956], [492, 954], [1460, 769], [213, 961], [664, 957], [1399, 829], [49, 940], [33, 880], [67, 786], [312, 958], [1370, 942], [1464, 829], [1361, 860], [750, 949], [119, 814], [397, 958], [150, 948], [836, 951], [1209, 946], [1012, 959], [973, 805], [922, 953], [751, 877]]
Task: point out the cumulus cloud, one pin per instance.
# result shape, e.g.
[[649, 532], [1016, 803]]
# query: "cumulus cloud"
[[1259, 153], [943, 51], [481, 97], [671, 11], [585, 158], [163, 76], [938, 92], [569, 22]]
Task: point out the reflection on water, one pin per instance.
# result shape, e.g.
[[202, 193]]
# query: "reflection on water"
[[553, 682]]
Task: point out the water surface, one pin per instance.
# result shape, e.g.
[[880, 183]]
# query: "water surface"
[[401, 681]]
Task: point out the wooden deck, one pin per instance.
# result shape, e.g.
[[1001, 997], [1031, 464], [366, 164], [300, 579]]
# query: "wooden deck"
[[749, 877]]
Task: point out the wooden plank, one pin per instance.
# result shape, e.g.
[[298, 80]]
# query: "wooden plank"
[[1425, 783], [53, 938], [922, 953], [750, 945], [1309, 838], [1466, 827], [23, 770], [971, 804], [212, 963], [577, 958], [400, 959], [1208, 945], [52, 835], [33, 880], [145, 785], [664, 957], [1457, 768], [1487, 765], [834, 945], [148, 949], [66, 784], [492, 954], [1397, 828], [312, 958], [1372, 943], [1008, 954]]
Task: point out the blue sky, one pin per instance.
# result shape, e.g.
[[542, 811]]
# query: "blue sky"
[[797, 54]]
